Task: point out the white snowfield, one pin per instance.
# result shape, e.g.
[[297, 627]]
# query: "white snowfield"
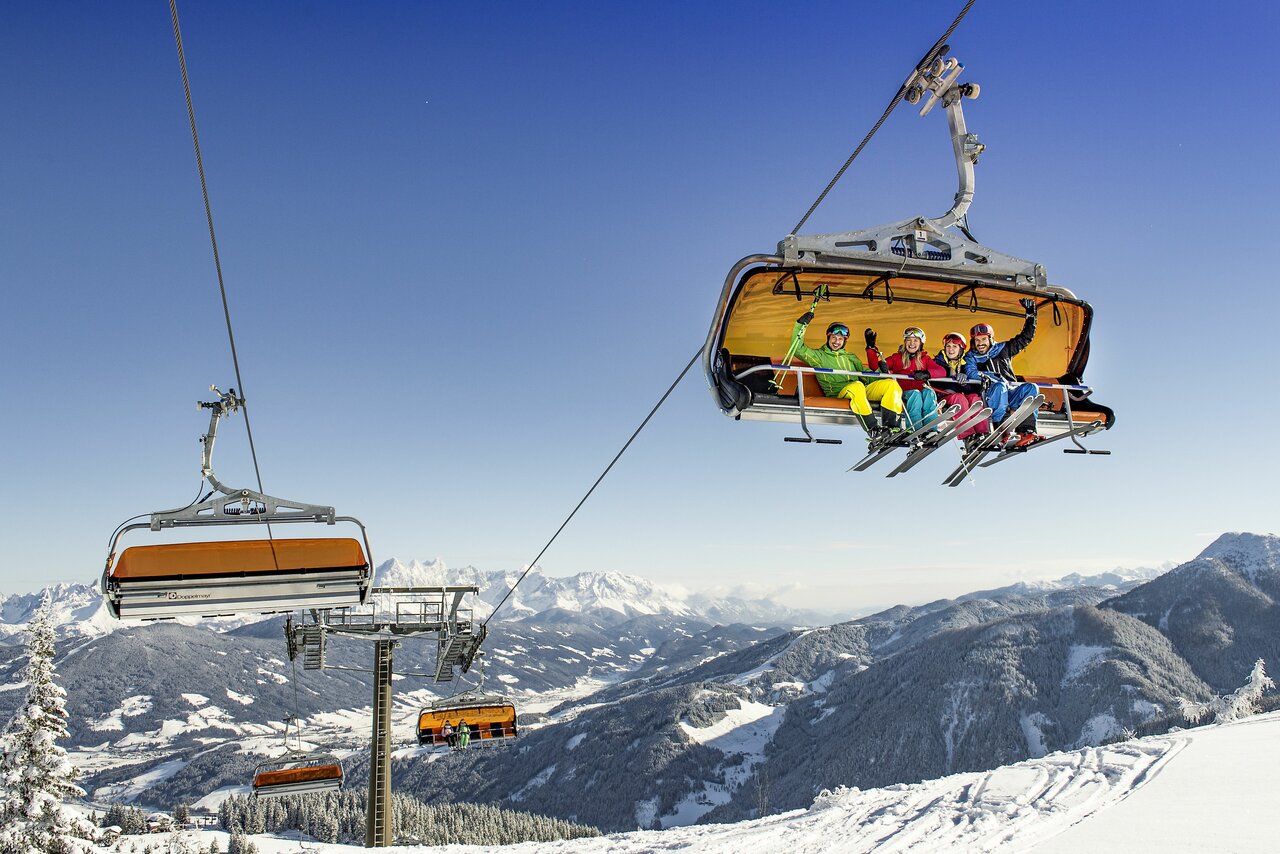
[[1212, 789]]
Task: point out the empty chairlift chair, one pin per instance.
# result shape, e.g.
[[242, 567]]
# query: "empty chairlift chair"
[[238, 576], [297, 774], [252, 576]]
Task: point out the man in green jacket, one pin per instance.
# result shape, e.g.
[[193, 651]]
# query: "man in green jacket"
[[860, 392]]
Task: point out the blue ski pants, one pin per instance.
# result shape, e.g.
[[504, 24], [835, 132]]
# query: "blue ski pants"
[[921, 405], [1002, 400]]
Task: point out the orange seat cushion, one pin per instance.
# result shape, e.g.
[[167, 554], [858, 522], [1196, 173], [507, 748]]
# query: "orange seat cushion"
[[298, 775], [239, 556]]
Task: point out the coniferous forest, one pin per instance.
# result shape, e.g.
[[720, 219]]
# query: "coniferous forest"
[[340, 817]]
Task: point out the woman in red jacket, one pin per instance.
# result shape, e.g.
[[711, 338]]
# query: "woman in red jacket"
[[956, 388], [911, 360]]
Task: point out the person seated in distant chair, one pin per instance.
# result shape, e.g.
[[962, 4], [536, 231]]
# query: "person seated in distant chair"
[[861, 392], [918, 399], [446, 732], [991, 363]]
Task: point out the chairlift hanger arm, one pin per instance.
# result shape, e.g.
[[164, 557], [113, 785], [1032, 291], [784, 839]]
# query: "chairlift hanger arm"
[[940, 80], [922, 243], [226, 404]]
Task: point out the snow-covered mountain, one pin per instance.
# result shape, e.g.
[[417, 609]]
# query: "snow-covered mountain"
[[80, 613], [78, 610], [1220, 611], [685, 720], [625, 595]]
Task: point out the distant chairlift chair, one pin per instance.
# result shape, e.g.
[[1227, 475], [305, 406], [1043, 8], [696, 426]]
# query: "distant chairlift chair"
[[297, 774]]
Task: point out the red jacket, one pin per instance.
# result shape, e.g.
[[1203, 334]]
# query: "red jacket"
[[894, 363]]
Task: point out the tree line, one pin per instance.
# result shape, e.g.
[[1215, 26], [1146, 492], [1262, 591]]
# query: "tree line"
[[339, 817]]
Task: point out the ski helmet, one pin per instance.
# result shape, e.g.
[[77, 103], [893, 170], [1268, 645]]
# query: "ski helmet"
[[956, 337], [913, 332], [982, 329], [838, 329]]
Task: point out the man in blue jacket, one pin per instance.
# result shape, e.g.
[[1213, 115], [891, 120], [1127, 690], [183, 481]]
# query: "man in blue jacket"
[[992, 363]]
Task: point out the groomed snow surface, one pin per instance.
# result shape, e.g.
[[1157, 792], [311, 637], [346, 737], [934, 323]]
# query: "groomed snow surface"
[[1211, 789]]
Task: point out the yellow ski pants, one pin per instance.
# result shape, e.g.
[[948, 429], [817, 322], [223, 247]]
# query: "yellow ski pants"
[[887, 393]]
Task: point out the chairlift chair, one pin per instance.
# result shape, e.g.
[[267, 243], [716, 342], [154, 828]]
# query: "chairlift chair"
[[207, 579], [297, 774], [491, 719], [919, 272]]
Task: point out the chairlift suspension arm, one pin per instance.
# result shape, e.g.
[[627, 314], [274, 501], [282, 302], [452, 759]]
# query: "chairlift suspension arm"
[[226, 404], [940, 79]]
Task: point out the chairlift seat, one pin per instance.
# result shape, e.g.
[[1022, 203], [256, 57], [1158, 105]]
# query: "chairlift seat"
[[238, 576], [297, 777], [763, 296], [490, 721]]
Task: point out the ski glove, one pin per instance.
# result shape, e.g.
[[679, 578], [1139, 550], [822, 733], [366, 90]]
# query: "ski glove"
[[870, 336], [805, 318], [920, 375], [1029, 304]]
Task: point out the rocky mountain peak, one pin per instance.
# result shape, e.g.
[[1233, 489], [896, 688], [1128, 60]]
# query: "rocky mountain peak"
[[1248, 554]]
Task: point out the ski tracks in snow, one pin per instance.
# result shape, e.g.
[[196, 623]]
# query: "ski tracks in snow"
[[1008, 809]]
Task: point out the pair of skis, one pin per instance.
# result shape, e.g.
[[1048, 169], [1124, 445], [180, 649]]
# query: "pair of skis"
[[994, 440], [1075, 433], [881, 448], [971, 417], [923, 440]]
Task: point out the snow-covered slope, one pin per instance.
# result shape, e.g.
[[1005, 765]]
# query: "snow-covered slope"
[[1208, 789]]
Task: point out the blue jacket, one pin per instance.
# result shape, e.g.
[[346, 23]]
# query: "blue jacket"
[[997, 363]]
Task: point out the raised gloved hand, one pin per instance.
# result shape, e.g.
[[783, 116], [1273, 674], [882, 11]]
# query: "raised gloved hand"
[[1029, 305], [805, 318], [920, 375], [870, 336]]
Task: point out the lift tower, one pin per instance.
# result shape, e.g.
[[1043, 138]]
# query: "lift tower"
[[389, 615]]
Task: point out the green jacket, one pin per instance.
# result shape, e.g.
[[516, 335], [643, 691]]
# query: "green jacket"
[[825, 357]]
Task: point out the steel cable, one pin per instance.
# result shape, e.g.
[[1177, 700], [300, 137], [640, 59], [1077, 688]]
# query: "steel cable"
[[607, 468], [213, 240], [218, 261]]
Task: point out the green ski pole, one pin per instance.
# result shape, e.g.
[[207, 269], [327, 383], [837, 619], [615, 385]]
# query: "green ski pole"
[[819, 293]]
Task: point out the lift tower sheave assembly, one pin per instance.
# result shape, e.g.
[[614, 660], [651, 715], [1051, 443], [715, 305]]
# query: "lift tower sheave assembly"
[[389, 615]]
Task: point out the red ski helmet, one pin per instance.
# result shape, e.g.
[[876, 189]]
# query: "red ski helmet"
[[956, 337], [982, 329]]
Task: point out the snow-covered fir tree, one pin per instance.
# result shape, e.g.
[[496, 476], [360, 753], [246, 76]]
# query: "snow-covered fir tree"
[[35, 774], [1244, 701]]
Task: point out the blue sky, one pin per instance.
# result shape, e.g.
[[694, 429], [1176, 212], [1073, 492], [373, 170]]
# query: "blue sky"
[[468, 246]]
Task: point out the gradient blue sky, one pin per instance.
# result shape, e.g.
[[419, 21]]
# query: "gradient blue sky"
[[468, 245]]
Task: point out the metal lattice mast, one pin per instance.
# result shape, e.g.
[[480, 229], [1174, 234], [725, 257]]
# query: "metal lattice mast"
[[378, 817]]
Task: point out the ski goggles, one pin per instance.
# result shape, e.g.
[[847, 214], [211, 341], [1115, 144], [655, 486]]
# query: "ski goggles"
[[913, 332], [838, 329]]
